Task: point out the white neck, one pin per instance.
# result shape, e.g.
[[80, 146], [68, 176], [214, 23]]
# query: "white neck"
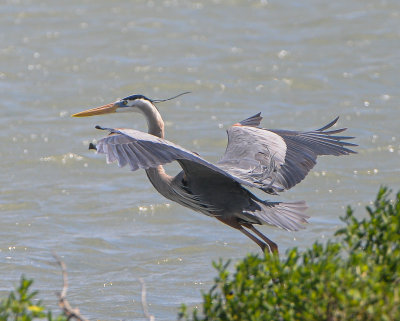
[[157, 176], [154, 121]]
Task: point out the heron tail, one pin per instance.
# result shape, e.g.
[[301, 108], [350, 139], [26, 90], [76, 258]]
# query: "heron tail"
[[286, 215]]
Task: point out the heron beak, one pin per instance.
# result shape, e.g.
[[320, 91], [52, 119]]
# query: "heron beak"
[[106, 109]]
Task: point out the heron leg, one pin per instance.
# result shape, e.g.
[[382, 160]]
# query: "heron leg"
[[238, 226], [253, 238], [272, 245]]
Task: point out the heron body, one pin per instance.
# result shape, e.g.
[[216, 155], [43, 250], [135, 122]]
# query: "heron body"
[[270, 160]]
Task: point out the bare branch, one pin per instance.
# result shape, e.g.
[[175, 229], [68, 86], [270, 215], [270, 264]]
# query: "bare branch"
[[62, 296], [144, 302]]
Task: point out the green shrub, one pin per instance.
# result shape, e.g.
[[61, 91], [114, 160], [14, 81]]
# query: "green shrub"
[[19, 305], [354, 278]]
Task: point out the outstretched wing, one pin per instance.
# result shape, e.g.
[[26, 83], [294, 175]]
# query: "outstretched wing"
[[142, 150], [277, 160]]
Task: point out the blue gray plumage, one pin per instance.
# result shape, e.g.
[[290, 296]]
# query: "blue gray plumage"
[[267, 159]]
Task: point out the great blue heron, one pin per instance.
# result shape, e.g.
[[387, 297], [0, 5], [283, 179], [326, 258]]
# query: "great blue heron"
[[268, 159]]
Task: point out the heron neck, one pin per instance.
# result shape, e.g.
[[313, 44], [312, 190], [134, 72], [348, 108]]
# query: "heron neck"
[[157, 176], [154, 121], [161, 181]]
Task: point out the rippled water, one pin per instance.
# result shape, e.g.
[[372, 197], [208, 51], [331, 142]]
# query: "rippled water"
[[300, 64]]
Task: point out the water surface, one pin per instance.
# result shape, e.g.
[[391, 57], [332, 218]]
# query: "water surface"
[[300, 64]]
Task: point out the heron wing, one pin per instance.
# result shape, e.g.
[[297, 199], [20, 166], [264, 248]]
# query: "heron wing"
[[141, 150], [252, 121], [277, 160]]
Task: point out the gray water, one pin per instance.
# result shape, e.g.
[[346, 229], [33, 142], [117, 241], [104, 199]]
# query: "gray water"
[[300, 64]]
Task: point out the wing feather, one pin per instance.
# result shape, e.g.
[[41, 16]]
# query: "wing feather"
[[288, 156], [133, 160], [142, 150], [252, 121], [119, 150], [271, 160]]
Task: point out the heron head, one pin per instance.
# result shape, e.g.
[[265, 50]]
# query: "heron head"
[[136, 103], [127, 104]]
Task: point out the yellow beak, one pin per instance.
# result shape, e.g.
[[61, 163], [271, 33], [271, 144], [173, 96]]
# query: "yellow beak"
[[106, 109]]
